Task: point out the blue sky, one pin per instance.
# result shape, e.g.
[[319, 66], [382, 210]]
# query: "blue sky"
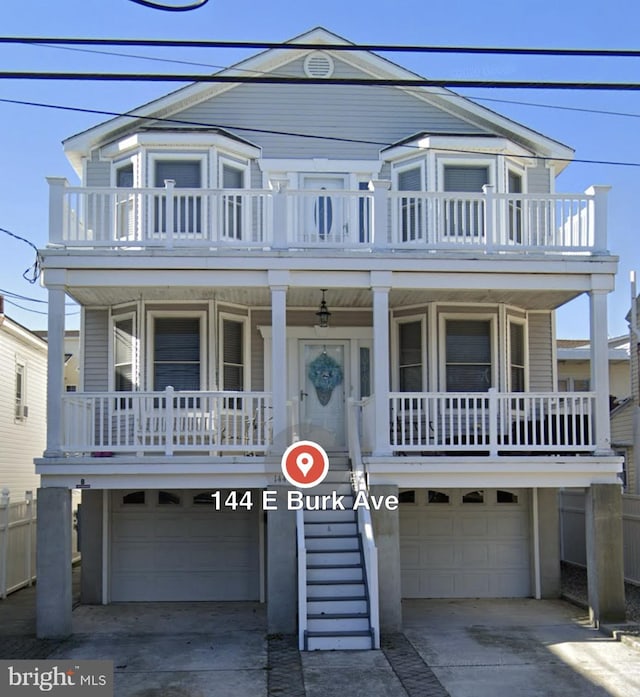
[[30, 137]]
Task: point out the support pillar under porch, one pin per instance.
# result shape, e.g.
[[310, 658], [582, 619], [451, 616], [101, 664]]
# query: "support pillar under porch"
[[53, 566], [282, 569]]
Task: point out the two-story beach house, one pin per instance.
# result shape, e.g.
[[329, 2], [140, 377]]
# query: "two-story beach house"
[[373, 268]]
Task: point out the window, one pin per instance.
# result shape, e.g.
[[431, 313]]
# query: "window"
[[365, 214], [168, 498], [468, 355], [514, 186], [407, 496], [207, 498], [232, 355], [411, 207], [176, 353], [21, 410], [473, 497], [464, 217], [410, 356], [187, 207], [516, 357], [574, 385], [434, 496], [506, 497], [123, 354], [232, 178], [134, 498], [71, 388]]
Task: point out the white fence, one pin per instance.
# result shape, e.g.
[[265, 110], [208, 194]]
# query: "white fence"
[[572, 503], [17, 542]]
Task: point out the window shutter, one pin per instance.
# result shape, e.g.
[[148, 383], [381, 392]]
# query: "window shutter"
[[185, 174], [465, 179], [410, 180]]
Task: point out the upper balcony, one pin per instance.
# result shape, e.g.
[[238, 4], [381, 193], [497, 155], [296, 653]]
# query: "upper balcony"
[[373, 219]]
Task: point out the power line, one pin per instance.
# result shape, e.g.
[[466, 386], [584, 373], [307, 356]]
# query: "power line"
[[347, 82], [26, 298], [33, 272], [171, 8], [37, 312], [294, 134], [349, 47]]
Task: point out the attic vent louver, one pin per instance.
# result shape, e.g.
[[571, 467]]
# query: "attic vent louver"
[[318, 64]]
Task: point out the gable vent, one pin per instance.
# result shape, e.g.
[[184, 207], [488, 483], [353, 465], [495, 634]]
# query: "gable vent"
[[318, 64]]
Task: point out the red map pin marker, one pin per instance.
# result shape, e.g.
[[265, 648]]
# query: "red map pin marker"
[[305, 464]]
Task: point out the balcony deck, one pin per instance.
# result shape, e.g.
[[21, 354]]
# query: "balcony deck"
[[261, 220]]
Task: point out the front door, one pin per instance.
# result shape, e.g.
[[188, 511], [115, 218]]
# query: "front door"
[[323, 381], [325, 216]]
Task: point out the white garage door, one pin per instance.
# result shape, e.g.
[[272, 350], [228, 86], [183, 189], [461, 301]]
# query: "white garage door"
[[465, 544], [174, 545]]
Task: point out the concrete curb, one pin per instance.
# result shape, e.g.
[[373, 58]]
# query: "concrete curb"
[[628, 633]]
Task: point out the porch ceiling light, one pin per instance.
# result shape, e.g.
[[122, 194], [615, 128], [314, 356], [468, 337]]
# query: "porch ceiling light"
[[323, 313]]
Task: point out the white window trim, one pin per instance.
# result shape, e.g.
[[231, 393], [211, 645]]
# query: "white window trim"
[[415, 163], [467, 161], [134, 160], [135, 349], [395, 349], [246, 348], [152, 157], [492, 318], [525, 338], [515, 168], [163, 314], [20, 408]]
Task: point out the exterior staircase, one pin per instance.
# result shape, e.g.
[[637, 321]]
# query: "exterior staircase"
[[337, 599]]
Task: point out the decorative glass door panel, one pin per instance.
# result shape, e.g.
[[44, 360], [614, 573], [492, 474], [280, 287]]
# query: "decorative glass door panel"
[[323, 383], [325, 215]]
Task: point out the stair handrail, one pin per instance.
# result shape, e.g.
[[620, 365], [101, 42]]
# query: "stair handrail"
[[302, 580], [365, 524]]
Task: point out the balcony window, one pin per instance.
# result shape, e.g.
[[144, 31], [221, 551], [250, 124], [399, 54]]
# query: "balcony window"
[[20, 385], [516, 357], [410, 356], [514, 186], [411, 207], [176, 353], [233, 364], [123, 352], [464, 217], [468, 355], [187, 208], [232, 178]]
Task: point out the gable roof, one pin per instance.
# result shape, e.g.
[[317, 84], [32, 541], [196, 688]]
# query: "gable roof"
[[369, 63]]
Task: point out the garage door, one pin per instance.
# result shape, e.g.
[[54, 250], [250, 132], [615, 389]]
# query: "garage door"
[[174, 545], [465, 544]]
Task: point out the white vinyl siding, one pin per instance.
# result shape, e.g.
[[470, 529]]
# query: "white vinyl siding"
[[96, 343], [541, 368]]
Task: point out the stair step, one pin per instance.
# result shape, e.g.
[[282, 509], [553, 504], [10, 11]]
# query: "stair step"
[[338, 624], [330, 641], [331, 515], [332, 557], [337, 616], [337, 606], [334, 529], [333, 543], [318, 590], [335, 574]]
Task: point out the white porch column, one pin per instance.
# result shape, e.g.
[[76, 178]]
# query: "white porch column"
[[600, 368], [380, 228], [380, 285], [278, 284], [598, 215], [55, 371]]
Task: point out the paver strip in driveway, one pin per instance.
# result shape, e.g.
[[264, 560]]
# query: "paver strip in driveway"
[[284, 670], [415, 675]]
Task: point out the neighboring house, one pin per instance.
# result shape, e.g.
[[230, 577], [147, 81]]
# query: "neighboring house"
[[71, 358], [23, 371], [574, 375], [574, 367], [243, 285], [625, 420]]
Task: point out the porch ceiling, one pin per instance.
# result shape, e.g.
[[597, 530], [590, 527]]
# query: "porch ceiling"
[[310, 297]]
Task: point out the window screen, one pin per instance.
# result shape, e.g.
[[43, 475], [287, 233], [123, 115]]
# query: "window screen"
[[185, 174], [465, 179], [468, 355], [233, 355], [516, 349], [410, 350], [177, 353], [123, 353]]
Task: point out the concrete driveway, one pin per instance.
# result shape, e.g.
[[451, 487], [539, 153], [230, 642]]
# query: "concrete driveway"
[[459, 648]]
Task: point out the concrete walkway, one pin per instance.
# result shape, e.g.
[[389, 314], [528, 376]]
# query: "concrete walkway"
[[469, 648]]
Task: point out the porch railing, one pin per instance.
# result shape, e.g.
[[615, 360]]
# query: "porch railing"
[[492, 422], [379, 219], [103, 423]]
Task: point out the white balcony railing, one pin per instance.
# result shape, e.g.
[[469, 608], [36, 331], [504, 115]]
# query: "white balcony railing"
[[103, 423], [378, 219], [493, 422]]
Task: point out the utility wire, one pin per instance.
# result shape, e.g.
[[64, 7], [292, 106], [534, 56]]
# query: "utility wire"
[[315, 136], [26, 298], [350, 81], [37, 312], [349, 47], [171, 8], [33, 272]]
